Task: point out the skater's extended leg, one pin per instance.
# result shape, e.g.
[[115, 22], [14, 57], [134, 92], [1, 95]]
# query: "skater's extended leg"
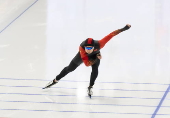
[[71, 67]]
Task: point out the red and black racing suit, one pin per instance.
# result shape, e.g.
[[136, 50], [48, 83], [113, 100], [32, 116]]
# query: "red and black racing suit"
[[83, 57]]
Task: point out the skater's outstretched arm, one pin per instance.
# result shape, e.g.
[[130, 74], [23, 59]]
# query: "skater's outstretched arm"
[[103, 41]]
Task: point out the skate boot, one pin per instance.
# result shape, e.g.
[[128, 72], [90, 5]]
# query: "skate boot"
[[89, 91], [51, 84]]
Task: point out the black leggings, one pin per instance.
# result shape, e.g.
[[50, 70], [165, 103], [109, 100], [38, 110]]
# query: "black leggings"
[[72, 66]]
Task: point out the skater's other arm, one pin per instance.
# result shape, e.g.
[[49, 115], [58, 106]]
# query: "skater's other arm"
[[84, 57], [103, 41], [99, 56]]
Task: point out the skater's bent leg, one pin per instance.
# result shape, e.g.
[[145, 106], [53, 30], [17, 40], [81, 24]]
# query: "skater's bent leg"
[[71, 67], [94, 72]]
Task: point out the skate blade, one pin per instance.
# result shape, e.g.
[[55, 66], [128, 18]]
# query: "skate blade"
[[48, 85], [44, 88]]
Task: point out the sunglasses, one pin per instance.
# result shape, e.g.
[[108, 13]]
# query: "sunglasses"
[[88, 48]]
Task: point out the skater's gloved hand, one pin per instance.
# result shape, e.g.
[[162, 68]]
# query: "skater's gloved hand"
[[91, 62], [126, 27], [99, 56]]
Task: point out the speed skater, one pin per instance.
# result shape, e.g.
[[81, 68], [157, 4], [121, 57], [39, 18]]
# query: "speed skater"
[[89, 54]]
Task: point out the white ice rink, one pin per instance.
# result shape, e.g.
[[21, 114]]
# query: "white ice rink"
[[38, 38]]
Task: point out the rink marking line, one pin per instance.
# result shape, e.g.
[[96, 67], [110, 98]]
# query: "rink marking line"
[[80, 88], [79, 111], [77, 103], [81, 81], [160, 103], [18, 16], [76, 96]]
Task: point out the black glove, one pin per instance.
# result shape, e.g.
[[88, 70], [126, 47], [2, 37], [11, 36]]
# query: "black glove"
[[98, 54], [126, 27], [93, 59]]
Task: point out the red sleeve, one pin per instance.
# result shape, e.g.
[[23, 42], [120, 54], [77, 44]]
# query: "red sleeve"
[[103, 41], [84, 56]]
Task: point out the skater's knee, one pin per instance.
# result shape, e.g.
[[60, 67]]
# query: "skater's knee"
[[71, 67]]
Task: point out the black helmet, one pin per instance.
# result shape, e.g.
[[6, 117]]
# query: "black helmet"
[[89, 42]]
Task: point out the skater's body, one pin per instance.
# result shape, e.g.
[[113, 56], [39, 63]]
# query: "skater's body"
[[89, 54]]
